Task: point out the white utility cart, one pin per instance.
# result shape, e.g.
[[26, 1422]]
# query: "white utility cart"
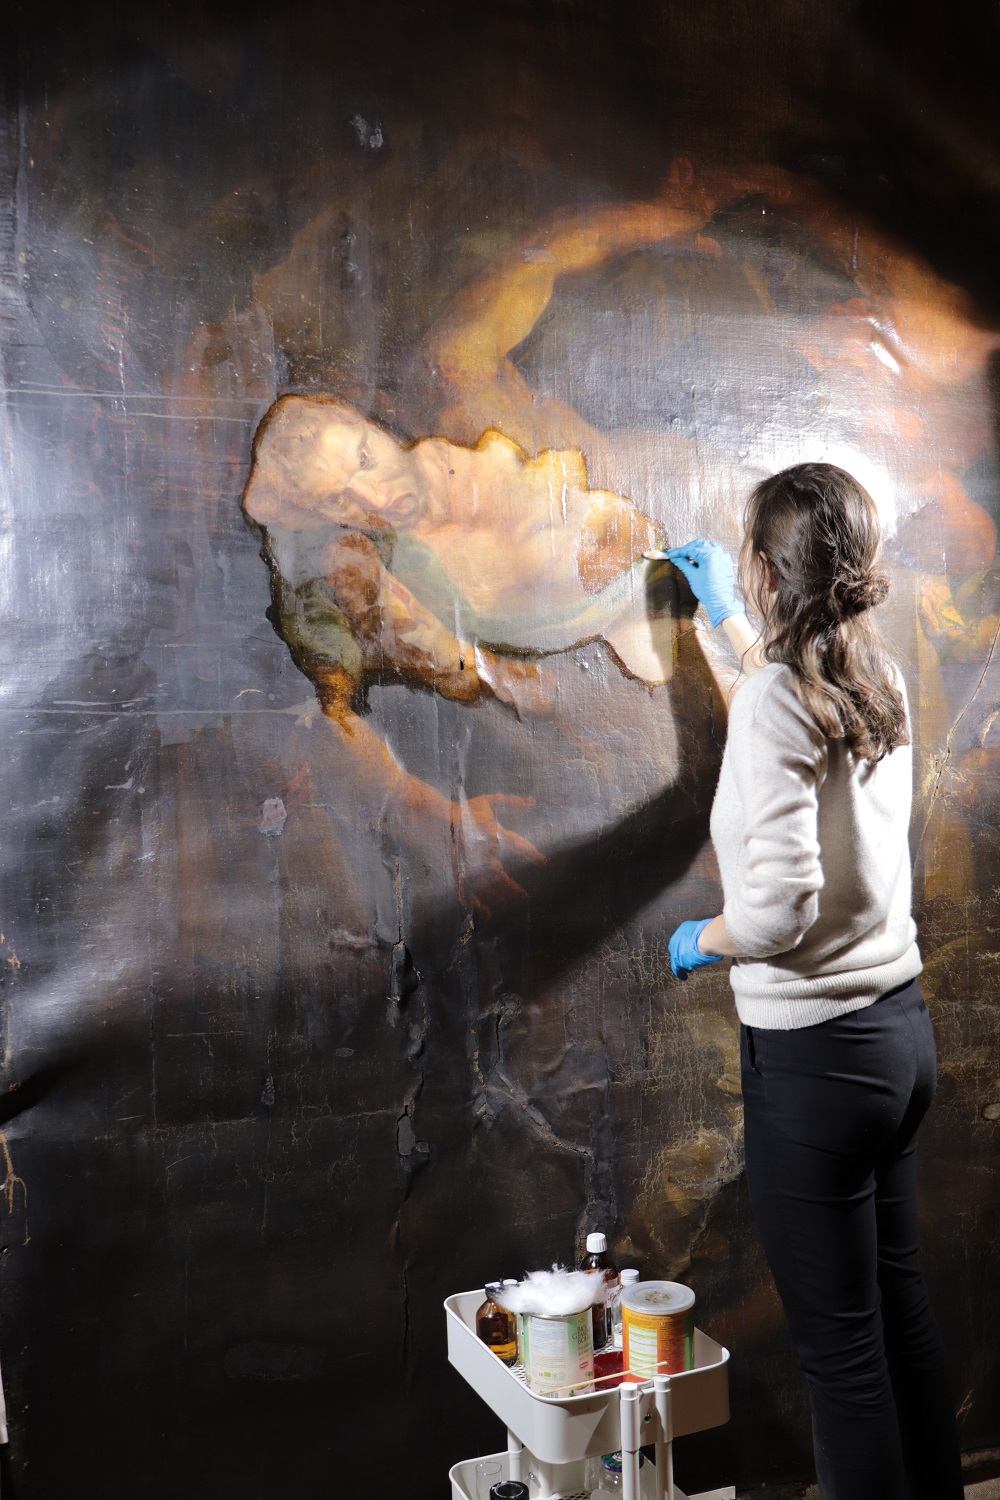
[[549, 1438]]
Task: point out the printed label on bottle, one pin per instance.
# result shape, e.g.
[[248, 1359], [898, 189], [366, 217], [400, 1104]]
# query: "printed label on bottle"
[[558, 1353], [657, 1344]]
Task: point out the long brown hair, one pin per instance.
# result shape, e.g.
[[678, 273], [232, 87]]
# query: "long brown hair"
[[808, 567]]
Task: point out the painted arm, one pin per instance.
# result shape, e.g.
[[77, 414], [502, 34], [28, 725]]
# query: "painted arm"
[[391, 631], [469, 347], [463, 833]]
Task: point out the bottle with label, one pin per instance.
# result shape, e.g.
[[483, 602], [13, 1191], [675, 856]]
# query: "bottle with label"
[[496, 1327], [518, 1324], [599, 1263], [626, 1278]]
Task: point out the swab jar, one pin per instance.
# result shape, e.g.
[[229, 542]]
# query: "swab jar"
[[559, 1353], [657, 1329]]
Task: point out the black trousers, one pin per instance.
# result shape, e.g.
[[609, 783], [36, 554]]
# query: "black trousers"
[[831, 1116]]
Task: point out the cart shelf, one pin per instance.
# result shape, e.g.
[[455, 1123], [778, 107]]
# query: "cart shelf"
[[565, 1429]]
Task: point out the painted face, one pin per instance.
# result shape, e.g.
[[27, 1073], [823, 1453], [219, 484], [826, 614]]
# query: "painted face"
[[357, 471], [338, 468]]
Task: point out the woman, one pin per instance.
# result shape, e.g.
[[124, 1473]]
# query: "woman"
[[810, 826]]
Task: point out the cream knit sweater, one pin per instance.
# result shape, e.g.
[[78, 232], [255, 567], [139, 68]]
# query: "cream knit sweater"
[[812, 843]]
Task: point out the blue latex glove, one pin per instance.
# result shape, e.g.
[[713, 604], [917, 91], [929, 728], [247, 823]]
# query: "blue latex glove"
[[685, 954], [708, 568]]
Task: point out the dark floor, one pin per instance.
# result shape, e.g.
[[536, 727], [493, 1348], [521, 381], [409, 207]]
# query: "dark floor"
[[975, 1489]]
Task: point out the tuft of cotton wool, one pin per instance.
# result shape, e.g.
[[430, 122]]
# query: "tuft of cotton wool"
[[552, 1294]]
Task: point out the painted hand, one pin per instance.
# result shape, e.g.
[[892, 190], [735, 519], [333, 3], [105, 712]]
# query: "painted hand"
[[478, 838], [468, 833], [708, 569], [685, 953]]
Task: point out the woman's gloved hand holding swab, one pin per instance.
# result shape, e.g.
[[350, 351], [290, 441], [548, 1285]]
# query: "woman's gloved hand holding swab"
[[709, 571], [711, 576]]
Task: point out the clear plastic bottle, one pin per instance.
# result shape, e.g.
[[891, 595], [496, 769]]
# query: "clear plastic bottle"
[[495, 1326], [604, 1476], [628, 1277], [598, 1262]]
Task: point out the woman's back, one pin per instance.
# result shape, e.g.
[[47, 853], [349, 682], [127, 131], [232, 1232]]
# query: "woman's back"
[[812, 841]]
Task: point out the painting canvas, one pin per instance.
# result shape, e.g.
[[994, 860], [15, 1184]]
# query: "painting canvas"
[[359, 763]]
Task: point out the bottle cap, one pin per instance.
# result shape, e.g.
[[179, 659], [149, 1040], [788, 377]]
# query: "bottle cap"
[[627, 1276], [509, 1489], [658, 1298], [613, 1461], [491, 1287], [596, 1243]]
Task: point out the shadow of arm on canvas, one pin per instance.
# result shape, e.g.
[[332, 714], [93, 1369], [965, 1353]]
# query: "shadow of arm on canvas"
[[585, 891], [563, 908]]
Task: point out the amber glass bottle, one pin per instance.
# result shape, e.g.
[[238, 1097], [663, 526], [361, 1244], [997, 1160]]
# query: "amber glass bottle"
[[599, 1263], [496, 1327]]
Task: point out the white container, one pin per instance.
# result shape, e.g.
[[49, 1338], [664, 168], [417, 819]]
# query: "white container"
[[628, 1277], [571, 1480], [658, 1329], [560, 1429], [559, 1353]]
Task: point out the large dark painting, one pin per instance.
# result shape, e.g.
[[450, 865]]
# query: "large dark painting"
[[358, 765]]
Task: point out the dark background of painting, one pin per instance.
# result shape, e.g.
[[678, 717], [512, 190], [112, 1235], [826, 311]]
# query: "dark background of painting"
[[249, 1151]]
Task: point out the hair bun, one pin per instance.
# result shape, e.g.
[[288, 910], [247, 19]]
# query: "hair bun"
[[865, 592]]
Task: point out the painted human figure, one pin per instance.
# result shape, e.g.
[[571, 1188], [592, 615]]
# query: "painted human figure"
[[469, 553], [454, 565], [458, 561], [452, 568]]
